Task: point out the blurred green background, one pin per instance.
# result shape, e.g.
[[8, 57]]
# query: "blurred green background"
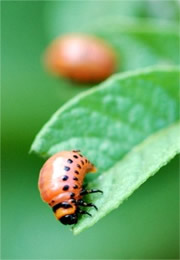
[[144, 227]]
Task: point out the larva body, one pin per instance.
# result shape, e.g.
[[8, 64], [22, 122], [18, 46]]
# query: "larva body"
[[82, 58], [60, 184]]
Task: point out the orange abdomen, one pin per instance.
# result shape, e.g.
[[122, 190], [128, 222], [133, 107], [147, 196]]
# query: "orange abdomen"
[[62, 176]]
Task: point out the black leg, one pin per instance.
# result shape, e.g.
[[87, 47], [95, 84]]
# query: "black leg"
[[84, 204], [84, 212], [84, 192]]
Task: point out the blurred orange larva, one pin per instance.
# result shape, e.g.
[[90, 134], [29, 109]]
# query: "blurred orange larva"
[[82, 58]]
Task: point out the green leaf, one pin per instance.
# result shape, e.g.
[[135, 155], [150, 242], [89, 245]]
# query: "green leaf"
[[124, 109], [171, 9], [139, 42], [61, 16], [133, 170], [107, 122]]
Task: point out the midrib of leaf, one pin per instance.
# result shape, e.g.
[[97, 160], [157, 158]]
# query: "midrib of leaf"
[[142, 162]]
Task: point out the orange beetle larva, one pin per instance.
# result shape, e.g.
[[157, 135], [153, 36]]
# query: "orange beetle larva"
[[60, 184], [82, 58]]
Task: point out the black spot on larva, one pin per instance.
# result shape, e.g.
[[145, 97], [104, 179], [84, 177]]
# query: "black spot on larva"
[[79, 166], [82, 162], [66, 168], [76, 151], [75, 186], [75, 156], [72, 195], [65, 177], [86, 160], [66, 187], [70, 161], [80, 155], [76, 172], [75, 178]]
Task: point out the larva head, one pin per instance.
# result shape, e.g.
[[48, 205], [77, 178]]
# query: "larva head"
[[66, 213], [69, 219]]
